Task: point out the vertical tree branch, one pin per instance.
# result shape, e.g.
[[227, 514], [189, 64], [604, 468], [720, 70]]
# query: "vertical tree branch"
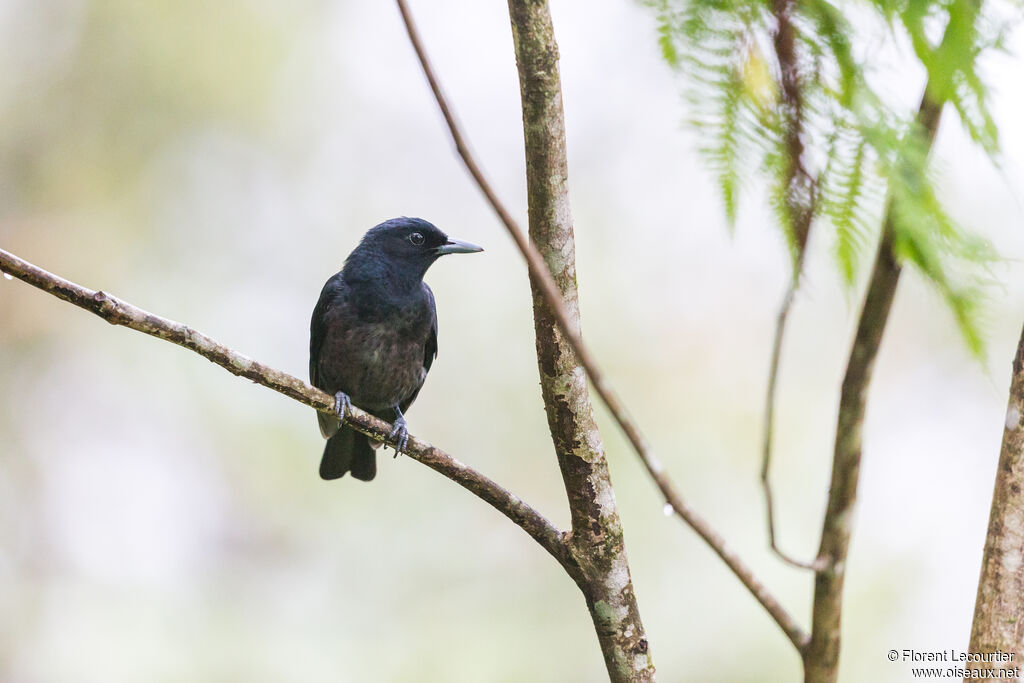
[[798, 193], [999, 610], [821, 658], [596, 539]]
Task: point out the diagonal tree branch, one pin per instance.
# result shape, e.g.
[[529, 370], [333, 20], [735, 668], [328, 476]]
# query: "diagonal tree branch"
[[119, 312], [821, 658], [547, 288]]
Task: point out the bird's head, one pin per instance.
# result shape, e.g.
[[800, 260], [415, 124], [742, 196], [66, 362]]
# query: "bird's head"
[[405, 245]]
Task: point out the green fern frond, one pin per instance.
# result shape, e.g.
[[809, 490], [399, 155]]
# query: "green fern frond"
[[970, 99], [708, 44], [845, 198], [834, 30], [857, 150], [953, 260]]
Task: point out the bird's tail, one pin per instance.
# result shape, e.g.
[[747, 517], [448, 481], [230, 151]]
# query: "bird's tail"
[[348, 451]]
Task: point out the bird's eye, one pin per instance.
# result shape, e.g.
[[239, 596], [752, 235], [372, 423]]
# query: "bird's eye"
[[416, 238]]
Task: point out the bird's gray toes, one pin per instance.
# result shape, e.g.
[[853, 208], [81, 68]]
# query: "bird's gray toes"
[[400, 436], [342, 404]]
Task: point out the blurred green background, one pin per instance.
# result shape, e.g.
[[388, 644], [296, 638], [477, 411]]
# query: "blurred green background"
[[162, 520]]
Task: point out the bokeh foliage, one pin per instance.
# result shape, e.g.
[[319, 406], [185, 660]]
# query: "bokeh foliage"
[[862, 151]]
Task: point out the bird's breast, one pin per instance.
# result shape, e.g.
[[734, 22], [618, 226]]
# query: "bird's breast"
[[377, 360]]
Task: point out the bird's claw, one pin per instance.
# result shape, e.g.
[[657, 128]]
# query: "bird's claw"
[[399, 435], [342, 404]]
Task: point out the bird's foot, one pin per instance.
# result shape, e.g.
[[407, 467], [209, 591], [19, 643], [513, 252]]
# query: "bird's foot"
[[342, 404], [400, 435]]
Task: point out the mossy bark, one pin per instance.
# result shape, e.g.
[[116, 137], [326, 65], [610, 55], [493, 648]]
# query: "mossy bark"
[[596, 541]]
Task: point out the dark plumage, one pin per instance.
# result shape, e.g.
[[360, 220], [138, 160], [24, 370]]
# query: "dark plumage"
[[373, 336]]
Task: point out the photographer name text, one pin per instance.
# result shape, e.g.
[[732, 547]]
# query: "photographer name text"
[[954, 656]]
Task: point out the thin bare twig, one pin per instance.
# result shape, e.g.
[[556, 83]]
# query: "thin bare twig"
[[119, 312], [549, 290], [800, 198], [769, 426]]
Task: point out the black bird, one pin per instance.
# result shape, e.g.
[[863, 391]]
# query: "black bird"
[[373, 337]]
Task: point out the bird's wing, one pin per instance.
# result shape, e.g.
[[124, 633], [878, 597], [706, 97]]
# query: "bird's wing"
[[430, 349], [334, 289]]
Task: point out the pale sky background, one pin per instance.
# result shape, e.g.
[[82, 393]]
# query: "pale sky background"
[[162, 520]]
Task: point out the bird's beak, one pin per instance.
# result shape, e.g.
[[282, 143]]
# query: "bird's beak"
[[457, 247]]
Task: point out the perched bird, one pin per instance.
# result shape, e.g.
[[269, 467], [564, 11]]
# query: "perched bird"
[[373, 337]]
